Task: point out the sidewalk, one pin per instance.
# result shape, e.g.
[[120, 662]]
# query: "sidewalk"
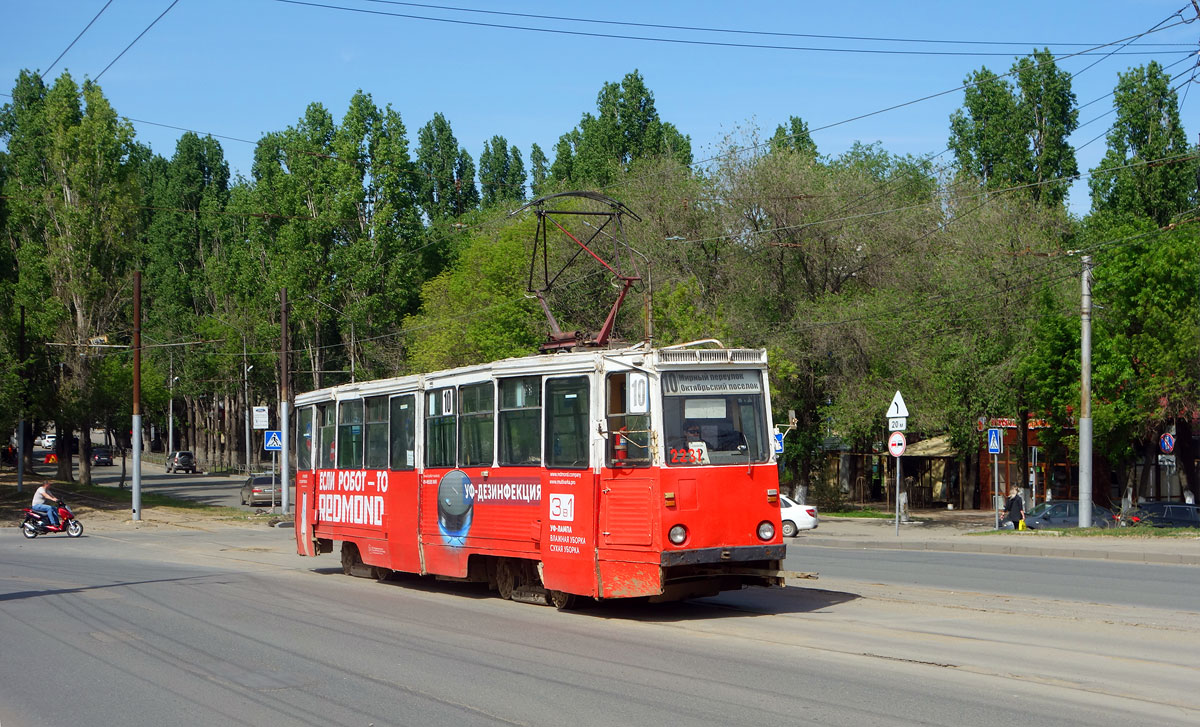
[[972, 531]]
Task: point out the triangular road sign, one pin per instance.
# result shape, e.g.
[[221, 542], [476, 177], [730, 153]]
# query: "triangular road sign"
[[897, 409]]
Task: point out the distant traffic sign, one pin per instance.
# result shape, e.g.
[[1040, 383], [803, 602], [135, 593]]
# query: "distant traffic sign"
[[1166, 443], [897, 444], [272, 441], [995, 441], [897, 424], [897, 407]]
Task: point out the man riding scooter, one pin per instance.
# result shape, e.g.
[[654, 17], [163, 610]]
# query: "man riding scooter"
[[39, 505]]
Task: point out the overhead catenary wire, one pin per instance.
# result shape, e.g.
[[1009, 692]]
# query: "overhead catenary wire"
[[774, 33], [135, 40], [680, 41], [76, 40]]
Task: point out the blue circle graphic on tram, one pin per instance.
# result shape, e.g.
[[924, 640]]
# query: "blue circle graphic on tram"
[[456, 504]]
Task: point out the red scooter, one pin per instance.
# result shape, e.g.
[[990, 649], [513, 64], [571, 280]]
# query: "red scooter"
[[36, 524]]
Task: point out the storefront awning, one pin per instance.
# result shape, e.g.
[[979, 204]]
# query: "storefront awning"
[[933, 447]]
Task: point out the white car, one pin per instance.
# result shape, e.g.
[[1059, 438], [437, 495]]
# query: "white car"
[[49, 440], [796, 517]]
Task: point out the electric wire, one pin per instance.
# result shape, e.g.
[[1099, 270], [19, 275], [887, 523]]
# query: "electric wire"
[[680, 41], [135, 40], [730, 30], [72, 43]]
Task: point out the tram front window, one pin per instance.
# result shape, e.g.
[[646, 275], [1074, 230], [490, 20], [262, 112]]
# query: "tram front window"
[[714, 417]]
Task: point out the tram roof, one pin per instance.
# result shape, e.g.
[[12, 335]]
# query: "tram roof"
[[636, 356]]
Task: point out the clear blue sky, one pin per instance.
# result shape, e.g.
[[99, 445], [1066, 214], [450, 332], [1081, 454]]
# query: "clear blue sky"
[[240, 68]]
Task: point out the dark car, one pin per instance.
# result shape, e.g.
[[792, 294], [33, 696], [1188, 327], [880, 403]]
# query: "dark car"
[[1169, 515], [1065, 514], [261, 489], [101, 456], [181, 462]]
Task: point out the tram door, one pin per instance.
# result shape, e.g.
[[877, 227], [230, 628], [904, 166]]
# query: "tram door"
[[626, 489]]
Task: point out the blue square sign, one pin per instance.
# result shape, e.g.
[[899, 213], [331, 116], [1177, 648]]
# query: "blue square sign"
[[995, 441], [272, 440]]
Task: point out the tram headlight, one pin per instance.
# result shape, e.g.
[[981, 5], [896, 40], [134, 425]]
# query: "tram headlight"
[[766, 530], [677, 534]]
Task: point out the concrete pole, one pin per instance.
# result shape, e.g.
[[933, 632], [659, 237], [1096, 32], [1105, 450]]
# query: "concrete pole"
[[21, 420], [283, 401], [137, 395], [171, 406], [1085, 396], [246, 392]]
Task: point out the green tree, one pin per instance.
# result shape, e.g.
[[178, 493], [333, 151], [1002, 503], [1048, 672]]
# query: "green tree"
[[72, 218], [626, 128], [446, 173], [501, 172], [1145, 171], [539, 170], [1047, 113], [794, 137], [986, 135]]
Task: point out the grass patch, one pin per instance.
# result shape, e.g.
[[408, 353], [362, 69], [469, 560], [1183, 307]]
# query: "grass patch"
[[105, 498]]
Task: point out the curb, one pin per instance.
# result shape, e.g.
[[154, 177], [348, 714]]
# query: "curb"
[[1128, 556]]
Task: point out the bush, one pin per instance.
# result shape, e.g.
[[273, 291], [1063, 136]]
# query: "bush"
[[827, 496]]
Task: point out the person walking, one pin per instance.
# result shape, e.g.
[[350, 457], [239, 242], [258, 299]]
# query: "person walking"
[[1014, 509]]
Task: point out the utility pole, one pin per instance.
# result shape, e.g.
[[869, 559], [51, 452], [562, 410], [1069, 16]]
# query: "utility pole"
[[137, 395], [246, 384], [284, 370], [171, 406], [24, 397], [1085, 396]]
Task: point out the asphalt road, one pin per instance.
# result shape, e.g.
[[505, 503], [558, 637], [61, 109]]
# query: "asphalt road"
[[229, 627]]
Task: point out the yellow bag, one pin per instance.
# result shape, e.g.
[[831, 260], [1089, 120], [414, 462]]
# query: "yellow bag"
[[1021, 524]]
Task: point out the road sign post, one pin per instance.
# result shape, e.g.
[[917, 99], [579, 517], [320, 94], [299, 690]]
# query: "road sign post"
[[995, 444], [896, 445]]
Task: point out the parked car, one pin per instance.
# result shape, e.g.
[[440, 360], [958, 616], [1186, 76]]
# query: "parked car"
[[1065, 514], [796, 517], [101, 455], [261, 489], [183, 461], [1169, 515], [49, 440]]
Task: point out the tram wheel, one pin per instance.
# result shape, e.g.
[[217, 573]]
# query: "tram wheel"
[[350, 558], [563, 601], [506, 578], [381, 574]]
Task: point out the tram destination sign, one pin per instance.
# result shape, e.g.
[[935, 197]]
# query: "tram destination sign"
[[694, 383]]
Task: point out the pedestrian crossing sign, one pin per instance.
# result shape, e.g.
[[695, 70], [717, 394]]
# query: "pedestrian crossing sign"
[[995, 441], [273, 441]]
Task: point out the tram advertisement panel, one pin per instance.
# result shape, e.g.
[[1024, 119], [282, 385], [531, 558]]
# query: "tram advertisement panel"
[[352, 497]]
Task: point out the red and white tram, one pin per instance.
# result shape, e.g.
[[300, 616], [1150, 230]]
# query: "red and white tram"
[[635, 472]]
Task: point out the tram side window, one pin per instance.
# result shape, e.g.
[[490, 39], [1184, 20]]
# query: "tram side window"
[[304, 438], [439, 428], [475, 420], [567, 422], [350, 435], [403, 432], [328, 430], [377, 433], [521, 420], [628, 420]]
